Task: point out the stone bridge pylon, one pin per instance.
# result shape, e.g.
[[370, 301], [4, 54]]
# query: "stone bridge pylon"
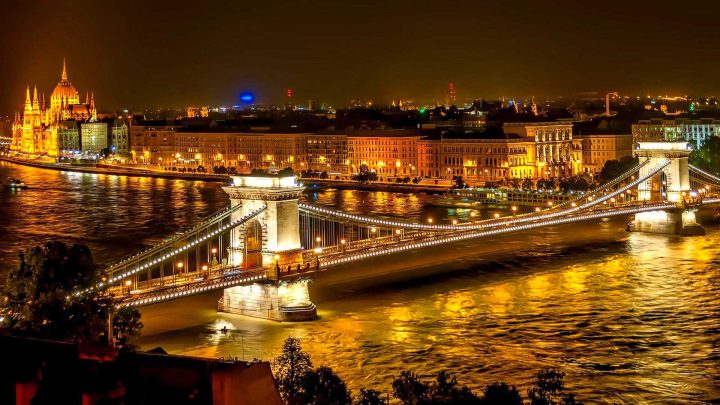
[[671, 184], [270, 240]]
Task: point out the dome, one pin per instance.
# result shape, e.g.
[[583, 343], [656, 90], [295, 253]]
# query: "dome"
[[65, 89]]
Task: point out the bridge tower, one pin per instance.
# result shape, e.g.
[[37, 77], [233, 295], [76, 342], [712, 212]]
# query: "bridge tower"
[[673, 180], [671, 184], [271, 240]]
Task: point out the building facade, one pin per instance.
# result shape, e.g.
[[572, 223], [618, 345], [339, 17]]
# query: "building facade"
[[552, 146], [36, 130], [519, 150], [93, 137], [599, 148], [694, 131]]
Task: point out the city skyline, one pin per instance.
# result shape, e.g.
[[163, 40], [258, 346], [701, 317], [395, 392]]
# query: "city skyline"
[[335, 53]]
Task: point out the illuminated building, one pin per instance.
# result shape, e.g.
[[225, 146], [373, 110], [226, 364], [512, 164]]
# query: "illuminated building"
[[387, 152], [488, 158], [36, 130], [120, 137], [93, 137], [153, 142], [599, 148], [478, 154], [694, 131], [552, 144], [327, 152], [68, 137]]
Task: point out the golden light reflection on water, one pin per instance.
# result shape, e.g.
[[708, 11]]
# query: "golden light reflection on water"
[[633, 321], [629, 322]]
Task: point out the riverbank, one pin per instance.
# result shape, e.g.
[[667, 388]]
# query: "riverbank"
[[310, 183], [118, 170], [376, 186]]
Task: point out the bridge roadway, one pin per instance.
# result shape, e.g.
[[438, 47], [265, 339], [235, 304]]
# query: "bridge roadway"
[[151, 292]]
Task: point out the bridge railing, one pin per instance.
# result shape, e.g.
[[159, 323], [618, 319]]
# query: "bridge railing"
[[705, 173], [207, 222], [191, 239], [487, 223], [439, 239], [605, 186], [230, 278]]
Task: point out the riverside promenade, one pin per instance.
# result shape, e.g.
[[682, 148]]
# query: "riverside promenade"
[[311, 183]]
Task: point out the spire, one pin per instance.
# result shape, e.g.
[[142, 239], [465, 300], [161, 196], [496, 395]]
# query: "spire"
[[93, 111], [64, 73], [27, 95], [35, 97], [87, 99]]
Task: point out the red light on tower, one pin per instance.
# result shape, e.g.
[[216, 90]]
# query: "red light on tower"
[[289, 93], [451, 96]]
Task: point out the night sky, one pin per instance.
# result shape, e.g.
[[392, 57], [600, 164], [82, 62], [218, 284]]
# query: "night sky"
[[137, 54]]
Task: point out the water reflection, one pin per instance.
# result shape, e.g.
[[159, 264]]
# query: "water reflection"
[[631, 322]]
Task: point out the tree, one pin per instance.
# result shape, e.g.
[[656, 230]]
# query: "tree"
[[614, 168], [324, 175], [501, 393], [546, 184], [40, 300], [707, 156], [445, 390], [370, 397], [409, 389], [323, 387], [527, 184], [416, 180], [291, 368], [126, 325], [458, 182], [515, 182], [581, 184], [288, 171], [564, 184], [550, 389]]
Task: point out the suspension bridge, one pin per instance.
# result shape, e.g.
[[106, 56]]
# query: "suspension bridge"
[[263, 248]]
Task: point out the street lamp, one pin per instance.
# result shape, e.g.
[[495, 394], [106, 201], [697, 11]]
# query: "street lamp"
[[204, 269], [454, 221], [514, 209], [128, 283], [214, 259], [430, 220], [342, 244], [317, 257]]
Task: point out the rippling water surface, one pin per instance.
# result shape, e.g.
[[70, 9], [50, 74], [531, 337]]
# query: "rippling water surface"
[[635, 320]]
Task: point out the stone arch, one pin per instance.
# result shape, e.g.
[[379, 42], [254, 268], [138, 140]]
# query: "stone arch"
[[253, 244]]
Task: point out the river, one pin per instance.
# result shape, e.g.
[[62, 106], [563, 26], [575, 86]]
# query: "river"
[[631, 321]]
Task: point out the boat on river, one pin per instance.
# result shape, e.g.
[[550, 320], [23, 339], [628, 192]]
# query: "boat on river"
[[476, 197], [15, 184]]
